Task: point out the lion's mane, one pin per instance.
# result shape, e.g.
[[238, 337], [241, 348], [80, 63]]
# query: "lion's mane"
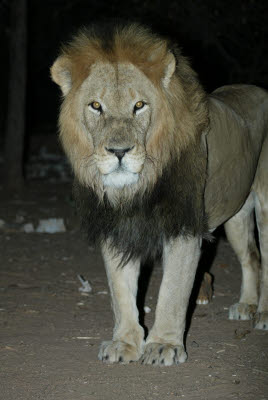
[[170, 200], [173, 207]]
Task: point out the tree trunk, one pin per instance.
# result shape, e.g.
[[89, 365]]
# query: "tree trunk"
[[16, 115]]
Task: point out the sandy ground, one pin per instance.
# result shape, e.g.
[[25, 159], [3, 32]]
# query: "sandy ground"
[[50, 333]]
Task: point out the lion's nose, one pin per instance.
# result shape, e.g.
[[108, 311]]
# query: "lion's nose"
[[119, 153]]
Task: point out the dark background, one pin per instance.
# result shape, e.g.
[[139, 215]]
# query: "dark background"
[[226, 41]]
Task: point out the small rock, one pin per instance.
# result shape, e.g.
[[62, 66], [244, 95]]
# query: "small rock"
[[241, 333], [51, 225], [147, 309], [86, 287], [28, 228]]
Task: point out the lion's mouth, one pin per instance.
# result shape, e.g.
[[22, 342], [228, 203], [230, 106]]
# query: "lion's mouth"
[[119, 178]]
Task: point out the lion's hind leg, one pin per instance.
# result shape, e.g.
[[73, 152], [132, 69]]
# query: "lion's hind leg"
[[261, 318], [240, 233], [205, 291], [260, 188]]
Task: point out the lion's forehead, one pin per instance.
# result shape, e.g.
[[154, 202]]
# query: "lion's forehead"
[[116, 82]]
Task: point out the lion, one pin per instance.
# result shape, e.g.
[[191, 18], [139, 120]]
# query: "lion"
[[159, 164]]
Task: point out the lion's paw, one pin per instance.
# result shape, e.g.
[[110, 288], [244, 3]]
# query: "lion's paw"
[[117, 351], [261, 320], [163, 354], [242, 311], [205, 291]]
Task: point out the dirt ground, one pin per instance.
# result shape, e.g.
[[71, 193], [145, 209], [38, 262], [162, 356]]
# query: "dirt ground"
[[50, 332]]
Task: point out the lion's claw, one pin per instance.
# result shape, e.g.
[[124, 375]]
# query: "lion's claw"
[[163, 354], [117, 351], [242, 311], [261, 320]]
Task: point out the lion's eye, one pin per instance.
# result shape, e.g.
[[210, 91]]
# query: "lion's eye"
[[96, 106], [138, 106]]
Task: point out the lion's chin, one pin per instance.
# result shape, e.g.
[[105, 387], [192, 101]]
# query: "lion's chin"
[[118, 179]]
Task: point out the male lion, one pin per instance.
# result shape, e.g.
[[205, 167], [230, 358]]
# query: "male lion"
[[159, 164]]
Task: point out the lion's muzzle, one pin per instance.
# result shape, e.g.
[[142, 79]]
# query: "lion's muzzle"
[[119, 152], [120, 166]]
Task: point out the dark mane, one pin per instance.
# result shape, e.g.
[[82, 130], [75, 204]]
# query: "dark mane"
[[174, 207]]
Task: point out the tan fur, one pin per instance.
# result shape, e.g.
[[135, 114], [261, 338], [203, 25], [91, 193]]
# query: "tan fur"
[[226, 131]]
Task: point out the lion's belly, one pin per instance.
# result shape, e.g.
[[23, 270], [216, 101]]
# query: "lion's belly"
[[234, 144]]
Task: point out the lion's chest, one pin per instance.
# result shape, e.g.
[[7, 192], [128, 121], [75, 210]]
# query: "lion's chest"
[[139, 230]]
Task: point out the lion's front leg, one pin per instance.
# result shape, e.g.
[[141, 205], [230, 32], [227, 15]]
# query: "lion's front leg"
[[164, 345], [128, 336]]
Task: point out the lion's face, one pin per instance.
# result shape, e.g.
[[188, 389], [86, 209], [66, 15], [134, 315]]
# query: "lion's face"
[[116, 103], [128, 109]]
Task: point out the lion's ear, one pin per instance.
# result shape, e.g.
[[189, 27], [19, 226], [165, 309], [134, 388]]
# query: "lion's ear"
[[61, 74], [169, 70]]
